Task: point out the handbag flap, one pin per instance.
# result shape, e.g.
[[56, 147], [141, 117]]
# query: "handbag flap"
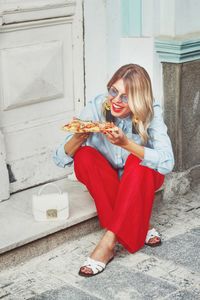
[[50, 201]]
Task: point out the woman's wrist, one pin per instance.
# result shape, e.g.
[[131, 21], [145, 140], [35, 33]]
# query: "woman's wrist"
[[74, 143], [77, 137], [134, 148]]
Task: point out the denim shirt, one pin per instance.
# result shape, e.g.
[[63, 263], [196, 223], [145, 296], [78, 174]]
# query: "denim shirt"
[[158, 153]]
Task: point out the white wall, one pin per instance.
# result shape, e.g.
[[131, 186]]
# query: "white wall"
[[106, 50], [187, 16], [179, 17], [113, 17], [141, 51], [95, 47], [102, 43]]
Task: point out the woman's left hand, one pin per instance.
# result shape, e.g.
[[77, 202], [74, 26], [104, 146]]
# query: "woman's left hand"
[[117, 137]]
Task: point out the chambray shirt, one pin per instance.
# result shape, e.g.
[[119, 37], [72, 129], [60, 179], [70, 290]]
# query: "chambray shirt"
[[158, 153]]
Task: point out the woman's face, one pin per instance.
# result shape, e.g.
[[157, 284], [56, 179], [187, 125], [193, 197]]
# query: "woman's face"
[[119, 109]]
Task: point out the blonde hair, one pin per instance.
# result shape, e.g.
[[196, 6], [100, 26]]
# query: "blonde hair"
[[140, 97]]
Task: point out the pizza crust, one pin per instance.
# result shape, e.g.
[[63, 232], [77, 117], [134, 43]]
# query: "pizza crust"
[[80, 126]]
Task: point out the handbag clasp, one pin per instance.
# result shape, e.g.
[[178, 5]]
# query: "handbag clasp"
[[51, 213]]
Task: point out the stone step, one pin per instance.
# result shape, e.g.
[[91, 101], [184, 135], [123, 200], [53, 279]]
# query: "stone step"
[[17, 223]]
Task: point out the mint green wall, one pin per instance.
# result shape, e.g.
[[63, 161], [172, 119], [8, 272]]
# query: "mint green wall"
[[131, 18]]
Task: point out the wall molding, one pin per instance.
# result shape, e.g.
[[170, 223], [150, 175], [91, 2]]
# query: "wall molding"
[[33, 11], [178, 50], [36, 24]]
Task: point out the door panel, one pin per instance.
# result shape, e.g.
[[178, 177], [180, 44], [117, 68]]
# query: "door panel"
[[37, 77], [38, 94]]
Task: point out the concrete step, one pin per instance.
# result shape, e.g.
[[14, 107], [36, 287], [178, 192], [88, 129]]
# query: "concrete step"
[[17, 223]]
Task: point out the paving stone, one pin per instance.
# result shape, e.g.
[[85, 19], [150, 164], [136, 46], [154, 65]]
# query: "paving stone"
[[25, 283], [166, 270], [65, 293], [182, 249], [184, 295], [196, 231], [133, 285]]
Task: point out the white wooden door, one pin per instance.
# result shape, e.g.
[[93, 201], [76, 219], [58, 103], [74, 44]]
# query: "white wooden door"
[[41, 84]]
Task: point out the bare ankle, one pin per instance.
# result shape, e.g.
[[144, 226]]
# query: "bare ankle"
[[109, 239]]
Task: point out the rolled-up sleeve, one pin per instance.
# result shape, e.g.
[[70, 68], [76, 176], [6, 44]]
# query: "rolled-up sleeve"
[[160, 157], [60, 157], [92, 111]]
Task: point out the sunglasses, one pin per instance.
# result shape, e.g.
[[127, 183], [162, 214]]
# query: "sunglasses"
[[113, 92]]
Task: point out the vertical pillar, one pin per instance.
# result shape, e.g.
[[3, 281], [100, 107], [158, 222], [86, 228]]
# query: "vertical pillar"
[[4, 178], [181, 78]]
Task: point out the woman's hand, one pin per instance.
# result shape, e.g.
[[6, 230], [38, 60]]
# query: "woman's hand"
[[81, 136], [117, 137], [75, 142], [120, 139]]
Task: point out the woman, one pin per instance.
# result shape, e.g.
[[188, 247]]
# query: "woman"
[[123, 169]]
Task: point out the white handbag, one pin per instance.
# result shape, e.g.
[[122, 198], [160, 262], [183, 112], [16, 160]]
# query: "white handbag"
[[50, 207]]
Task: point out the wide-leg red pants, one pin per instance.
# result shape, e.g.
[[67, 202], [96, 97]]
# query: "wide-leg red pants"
[[123, 206]]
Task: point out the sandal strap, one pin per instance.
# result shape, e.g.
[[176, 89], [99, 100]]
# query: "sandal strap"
[[151, 234], [95, 265]]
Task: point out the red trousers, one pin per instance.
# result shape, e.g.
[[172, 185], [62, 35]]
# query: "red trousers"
[[123, 206]]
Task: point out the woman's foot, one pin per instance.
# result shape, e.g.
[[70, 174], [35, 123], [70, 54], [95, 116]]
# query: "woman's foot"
[[103, 252], [153, 238]]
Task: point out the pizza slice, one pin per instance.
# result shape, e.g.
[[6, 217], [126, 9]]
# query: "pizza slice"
[[80, 126]]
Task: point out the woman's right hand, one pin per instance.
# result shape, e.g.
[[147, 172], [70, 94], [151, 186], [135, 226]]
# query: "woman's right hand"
[[75, 142], [81, 136]]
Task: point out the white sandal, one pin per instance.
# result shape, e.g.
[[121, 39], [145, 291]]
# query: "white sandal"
[[152, 233], [95, 265]]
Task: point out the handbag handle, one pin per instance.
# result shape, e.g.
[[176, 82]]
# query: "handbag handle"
[[49, 184]]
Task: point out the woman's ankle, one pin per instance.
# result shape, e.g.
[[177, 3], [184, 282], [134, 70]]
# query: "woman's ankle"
[[109, 239]]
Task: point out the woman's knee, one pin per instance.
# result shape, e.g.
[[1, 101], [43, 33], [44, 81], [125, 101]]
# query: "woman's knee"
[[133, 167], [84, 152], [84, 157]]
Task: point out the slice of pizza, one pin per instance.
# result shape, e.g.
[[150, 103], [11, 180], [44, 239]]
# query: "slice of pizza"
[[80, 126]]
